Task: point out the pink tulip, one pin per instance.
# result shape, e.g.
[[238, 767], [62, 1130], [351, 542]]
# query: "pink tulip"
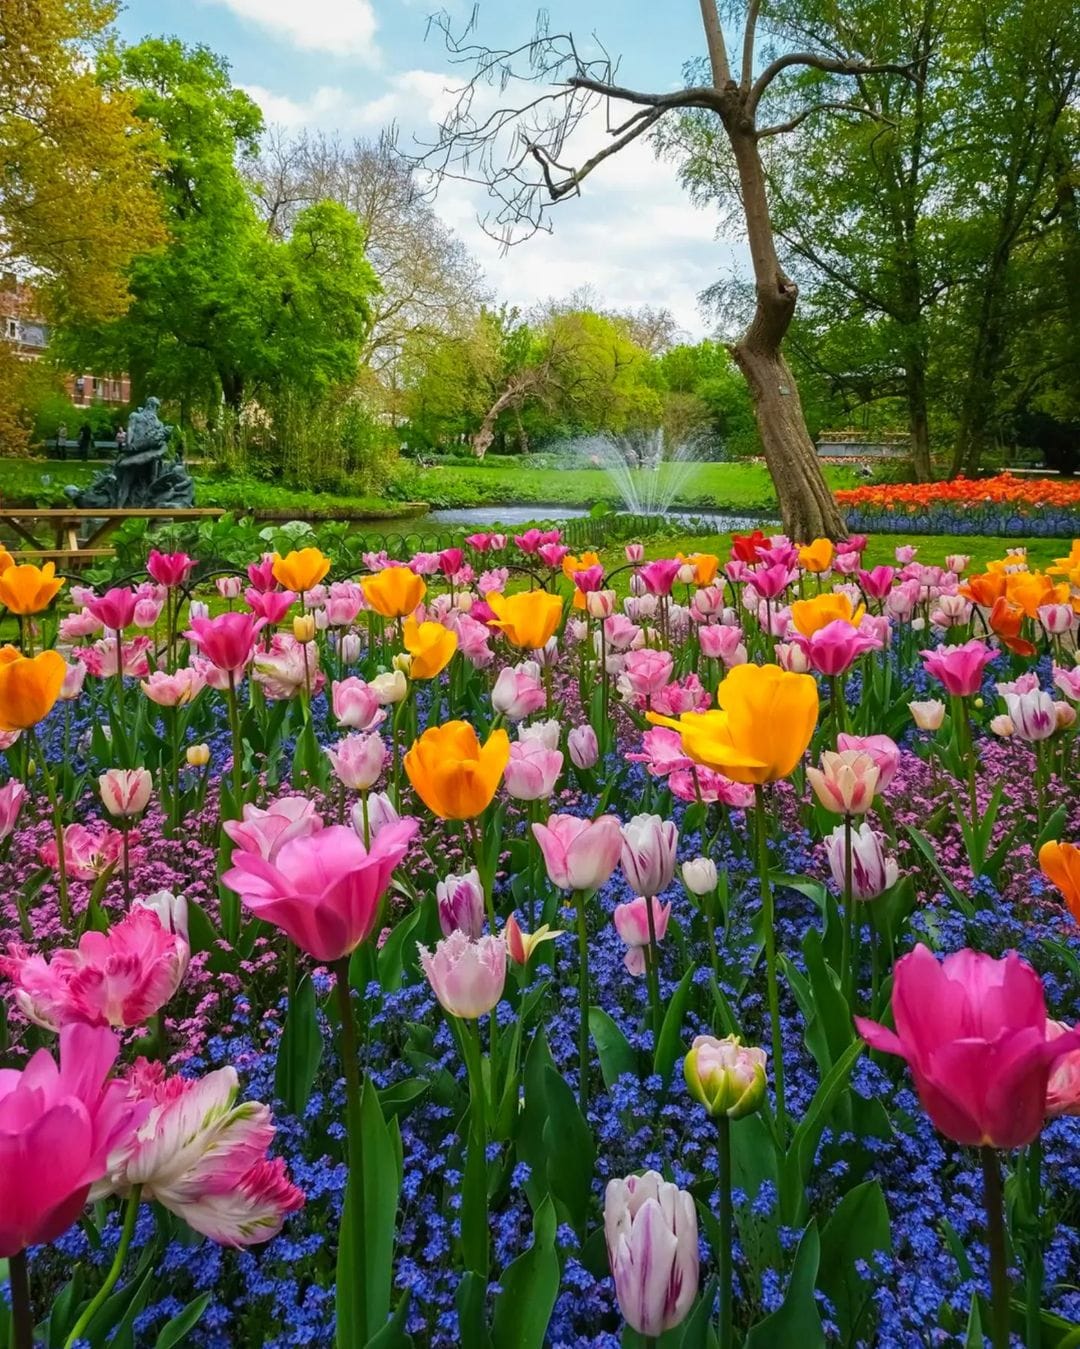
[[261, 574], [683, 695], [1068, 682], [174, 690], [202, 1156], [1057, 618], [959, 668], [872, 872], [450, 560], [169, 569], [645, 672], [126, 791], [87, 852], [1033, 715], [12, 796], [583, 747], [770, 582], [579, 854], [532, 770], [663, 752], [229, 587], [322, 890], [834, 648], [358, 760], [481, 543], [288, 668], [341, 610], [650, 1227], [57, 1127], [878, 582], [115, 978], [101, 658], [846, 781], [74, 678], [658, 577], [265, 832], [973, 1031], [530, 541], [792, 658], [518, 691], [720, 642], [1063, 1089], [635, 552], [76, 625], [590, 579], [648, 853], [355, 704], [270, 605], [226, 641], [882, 749], [460, 902], [466, 976], [115, 609], [632, 924]]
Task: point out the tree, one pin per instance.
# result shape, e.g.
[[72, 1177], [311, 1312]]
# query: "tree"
[[520, 152], [76, 202]]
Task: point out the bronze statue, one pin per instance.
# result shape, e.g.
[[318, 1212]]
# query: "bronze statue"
[[142, 473]]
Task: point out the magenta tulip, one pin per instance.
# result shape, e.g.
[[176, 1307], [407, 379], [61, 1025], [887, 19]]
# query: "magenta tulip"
[[226, 641], [834, 648], [169, 569], [959, 668], [115, 609], [460, 901], [12, 796]]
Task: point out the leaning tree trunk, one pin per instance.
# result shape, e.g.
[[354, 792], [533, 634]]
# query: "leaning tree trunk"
[[808, 508]]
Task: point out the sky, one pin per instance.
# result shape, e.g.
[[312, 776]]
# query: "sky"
[[352, 67]]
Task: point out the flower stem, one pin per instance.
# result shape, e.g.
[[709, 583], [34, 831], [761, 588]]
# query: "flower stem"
[[131, 1212], [354, 1190], [769, 920], [652, 970], [58, 824], [1034, 1264], [22, 1318], [237, 746], [724, 1155], [847, 953], [583, 1004], [995, 1233]]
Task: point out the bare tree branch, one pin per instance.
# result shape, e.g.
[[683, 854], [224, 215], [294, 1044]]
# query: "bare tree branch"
[[749, 34], [781, 127], [574, 177], [714, 40], [844, 66]]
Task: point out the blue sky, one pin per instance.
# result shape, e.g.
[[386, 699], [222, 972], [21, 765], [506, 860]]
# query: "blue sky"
[[352, 66]]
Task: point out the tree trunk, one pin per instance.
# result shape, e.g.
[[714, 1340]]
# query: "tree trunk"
[[977, 407], [918, 417], [808, 509]]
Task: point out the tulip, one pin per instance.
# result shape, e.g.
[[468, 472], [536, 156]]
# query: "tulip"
[[583, 747], [229, 587], [323, 889], [228, 640], [355, 704], [198, 756], [1063, 1088], [959, 668], [872, 873], [532, 770], [115, 978], [74, 678], [877, 582], [202, 1156], [547, 733], [726, 1077], [265, 832], [87, 853], [350, 648], [393, 592], [1033, 715], [466, 976], [380, 814], [658, 577], [521, 945], [648, 853], [169, 569], [59, 1125], [126, 791], [1001, 726], [1060, 863], [453, 774], [645, 673], [834, 648], [358, 760], [579, 854], [650, 1228], [846, 781], [1057, 618], [527, 619], [300, 570], [28, 687], [928, 715], [173, 690], [700, 876], [635, 552], [642, 924], [431, 647], [115, 609], [28, 589], [460, 903], [881, 748], [303, 628], [271, 605], [391, 687], [12, 796], [718, 641]]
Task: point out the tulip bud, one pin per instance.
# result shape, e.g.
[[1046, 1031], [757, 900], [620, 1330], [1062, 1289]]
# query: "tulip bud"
[[350, 648], [600, 603], [650, 1229], [520, 945], [1065, 714], [198, 609], [1002, 725], [635, 552], [303, 627], [125, 791], [726, 1078], [460, 902], [402, 662], [872, 873], [198, 756], [380, 813], [583, 747], [846, 781], [648, 853], [699, 876], [928, 715], [229, 587]]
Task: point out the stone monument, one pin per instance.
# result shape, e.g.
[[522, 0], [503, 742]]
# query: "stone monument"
[[143, 474]]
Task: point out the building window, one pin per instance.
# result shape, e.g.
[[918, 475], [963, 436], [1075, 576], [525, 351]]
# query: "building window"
[[12, 329]]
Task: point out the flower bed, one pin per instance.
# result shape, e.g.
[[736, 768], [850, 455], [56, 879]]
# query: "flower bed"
[[430, 958], [1016, 507]]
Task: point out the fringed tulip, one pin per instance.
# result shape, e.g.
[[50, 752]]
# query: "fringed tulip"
[[466, 976]]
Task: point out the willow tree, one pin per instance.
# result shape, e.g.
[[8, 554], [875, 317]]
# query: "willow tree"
[[520, 150]]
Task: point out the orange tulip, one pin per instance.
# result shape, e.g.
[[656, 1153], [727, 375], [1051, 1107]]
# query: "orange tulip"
[[705, 567], [817, 556], [571, 564], [813, 614], [984, 590], [431, 647], [6, 560], [394, 592], [301, 569], [29, 589], [1006, 621], [452, 773], [1061, 863], [1031, 589], [28, 687], [528, 619]]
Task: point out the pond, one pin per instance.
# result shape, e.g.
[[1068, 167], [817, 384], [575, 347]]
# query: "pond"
[[478, 517]]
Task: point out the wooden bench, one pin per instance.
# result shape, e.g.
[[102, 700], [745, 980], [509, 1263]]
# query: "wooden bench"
[[63, 557], [65, 522]]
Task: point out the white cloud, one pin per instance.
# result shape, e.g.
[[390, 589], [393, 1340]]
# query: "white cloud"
[[345, 27]]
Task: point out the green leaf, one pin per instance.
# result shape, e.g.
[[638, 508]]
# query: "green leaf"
[[470, 1300], [697, 1330], [390, 961], [570, 1150], [616, 1053], [1053, 828], [669, 1041], [299, 1049], [532, 1120], [857, 1230], [830, 1007], [804, 1142], [796, 1321], [394, 1335], [400, 1097], [173, 1331], [928, 850], [805, 885], [530, 1285]]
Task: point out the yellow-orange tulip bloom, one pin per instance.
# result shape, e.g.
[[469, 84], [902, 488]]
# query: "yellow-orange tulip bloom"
[[705, 566], [1031, 589], [301, 569], [815, 613], [430, 645], [528, 619], [986, 589], [28, 687], [816, 556], [6, 560], [29, 589], [1061, 863], [453, 774], [571, 564], [762, 729], [394, 592]]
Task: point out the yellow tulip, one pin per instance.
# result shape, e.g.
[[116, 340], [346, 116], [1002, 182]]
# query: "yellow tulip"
[[430, 645], [28, 688], [301, 569], [816, 556], [6, 560], [813, 614], [1061, 863], [394, 591], [528, 619], [452, 773], [766, 719], [29, 589]]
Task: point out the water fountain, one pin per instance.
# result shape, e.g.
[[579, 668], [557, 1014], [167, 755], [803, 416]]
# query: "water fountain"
[[647, 471]]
